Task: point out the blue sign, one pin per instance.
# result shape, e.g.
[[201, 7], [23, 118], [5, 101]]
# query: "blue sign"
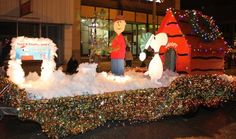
[[33, 53]]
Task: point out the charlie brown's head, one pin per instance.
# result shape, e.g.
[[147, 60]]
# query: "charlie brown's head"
[[119, 24]]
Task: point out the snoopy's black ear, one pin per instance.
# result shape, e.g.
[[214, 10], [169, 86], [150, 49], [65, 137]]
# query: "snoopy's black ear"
[[154, 38], [145, 50]]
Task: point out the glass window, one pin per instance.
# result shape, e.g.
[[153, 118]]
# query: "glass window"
[[92, 31], [84, 39], [141, 30], [28, 29], [128, 34], [128, 28], [135, 43], [7, 29], [55, 33], [151, 27]]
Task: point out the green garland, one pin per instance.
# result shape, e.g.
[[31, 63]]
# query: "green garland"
[[210, 32]]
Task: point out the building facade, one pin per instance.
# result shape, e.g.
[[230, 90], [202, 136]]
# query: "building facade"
[[62, 21]]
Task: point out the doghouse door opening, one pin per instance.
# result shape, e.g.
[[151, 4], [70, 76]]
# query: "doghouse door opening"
[[170, 60]]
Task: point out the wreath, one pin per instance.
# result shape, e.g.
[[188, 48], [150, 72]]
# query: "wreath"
[[204, 26]]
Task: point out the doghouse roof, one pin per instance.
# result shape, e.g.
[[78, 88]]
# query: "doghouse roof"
[[194, 27]]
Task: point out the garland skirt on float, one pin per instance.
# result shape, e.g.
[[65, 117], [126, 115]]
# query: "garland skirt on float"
[[66, 116]]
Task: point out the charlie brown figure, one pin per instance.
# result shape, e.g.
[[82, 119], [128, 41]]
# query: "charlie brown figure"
[[118, 46]]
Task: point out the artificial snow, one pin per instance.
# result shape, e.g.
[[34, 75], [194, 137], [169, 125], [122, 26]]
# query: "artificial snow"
[[229, 78], [54, 83], [87, 82]]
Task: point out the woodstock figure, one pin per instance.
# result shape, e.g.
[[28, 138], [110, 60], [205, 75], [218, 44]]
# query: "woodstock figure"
[[155, 67]]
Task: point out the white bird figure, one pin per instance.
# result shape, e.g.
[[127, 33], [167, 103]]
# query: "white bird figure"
[[155, 67]]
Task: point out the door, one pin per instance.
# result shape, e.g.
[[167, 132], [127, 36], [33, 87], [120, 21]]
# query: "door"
[[170, 59], [128, 37]]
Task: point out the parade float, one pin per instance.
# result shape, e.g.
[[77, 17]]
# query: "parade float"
[[72, 104]]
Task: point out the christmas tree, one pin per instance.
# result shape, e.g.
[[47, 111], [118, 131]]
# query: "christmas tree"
[[99, 42]]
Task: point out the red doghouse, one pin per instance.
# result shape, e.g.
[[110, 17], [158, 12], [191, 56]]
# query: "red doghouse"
[[195, 45]]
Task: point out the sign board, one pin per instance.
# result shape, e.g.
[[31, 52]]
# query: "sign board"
[[33, 53], [25, 8], [24, 48]]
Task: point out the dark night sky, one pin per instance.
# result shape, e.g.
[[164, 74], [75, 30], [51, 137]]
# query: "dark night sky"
[[222, 10]]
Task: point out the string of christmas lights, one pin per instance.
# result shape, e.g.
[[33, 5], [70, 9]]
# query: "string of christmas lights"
[[208, 31], [202, 25]]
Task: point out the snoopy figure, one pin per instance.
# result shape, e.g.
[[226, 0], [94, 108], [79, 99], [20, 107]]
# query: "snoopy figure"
[[155, 68]]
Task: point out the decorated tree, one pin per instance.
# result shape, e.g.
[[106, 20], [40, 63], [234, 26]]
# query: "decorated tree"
[[98, 41]]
